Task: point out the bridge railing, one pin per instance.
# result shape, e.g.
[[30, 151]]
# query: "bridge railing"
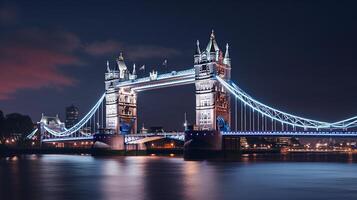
[[292, 133], [282, 117], [86, 127], [172, 74]]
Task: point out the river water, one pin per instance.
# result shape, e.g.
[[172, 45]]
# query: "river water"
[[154, 177]]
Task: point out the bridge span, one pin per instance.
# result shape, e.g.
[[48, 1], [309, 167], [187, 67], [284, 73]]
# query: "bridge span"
[[218, 101], [292, 134], [146, 137]]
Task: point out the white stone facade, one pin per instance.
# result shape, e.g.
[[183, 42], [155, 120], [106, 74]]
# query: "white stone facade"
[[209, 93]]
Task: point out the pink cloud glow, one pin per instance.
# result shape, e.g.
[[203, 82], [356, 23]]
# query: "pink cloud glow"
[[33, 59]]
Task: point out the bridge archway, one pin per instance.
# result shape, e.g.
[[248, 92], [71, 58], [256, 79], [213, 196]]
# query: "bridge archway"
[[212, 99], [166, 107]]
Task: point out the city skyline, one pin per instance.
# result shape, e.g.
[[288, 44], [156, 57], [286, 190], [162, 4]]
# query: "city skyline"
[[305, 61]]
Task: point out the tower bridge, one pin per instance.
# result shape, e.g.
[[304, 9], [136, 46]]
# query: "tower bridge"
[[115, 113]]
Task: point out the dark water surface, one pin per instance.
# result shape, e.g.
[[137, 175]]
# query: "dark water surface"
[[152, 177]]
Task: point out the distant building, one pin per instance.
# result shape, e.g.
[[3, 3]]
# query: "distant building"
[[72, 114]]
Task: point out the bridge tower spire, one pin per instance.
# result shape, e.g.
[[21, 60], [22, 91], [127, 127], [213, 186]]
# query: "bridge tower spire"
[[121, 114], [197, 56], [123, 69], [212, 100], [227, 59], [108, 68], [198, 50]]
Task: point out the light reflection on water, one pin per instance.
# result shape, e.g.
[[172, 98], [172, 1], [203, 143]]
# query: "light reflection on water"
[[153, 177]]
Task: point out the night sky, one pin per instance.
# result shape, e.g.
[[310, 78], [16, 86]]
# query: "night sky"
[[297, 56]]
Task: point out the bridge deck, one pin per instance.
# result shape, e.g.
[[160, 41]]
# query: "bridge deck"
[[67, 139], [292, 133], [163, 80], [180, 135], [145, 140]]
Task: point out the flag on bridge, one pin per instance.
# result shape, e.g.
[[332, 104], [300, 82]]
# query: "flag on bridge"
[[142, 67], [164, 63]]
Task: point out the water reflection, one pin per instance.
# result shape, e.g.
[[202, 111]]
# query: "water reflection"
[[153, 177], [197, 184], [121, 177]]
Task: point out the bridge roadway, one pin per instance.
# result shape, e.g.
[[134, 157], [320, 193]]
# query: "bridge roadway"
[[129, 139], [140, 138], [292, 133], [67, 139], [173, 78]]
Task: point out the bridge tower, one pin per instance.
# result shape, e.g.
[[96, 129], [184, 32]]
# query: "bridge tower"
[[111, 98], [121, 103], [54, 123], [213, 113], [212, 100]]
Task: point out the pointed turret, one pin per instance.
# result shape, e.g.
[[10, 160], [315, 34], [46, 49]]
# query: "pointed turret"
[[212, 44], [197, 56], [121, 63], [198, 50], [133, 76], [226, 55], [227, 59], [123, 70], [121, 57], [108, 69], [134, 70]]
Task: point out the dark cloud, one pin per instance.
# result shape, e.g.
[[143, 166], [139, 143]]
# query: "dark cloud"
[[133, 52], [103, 47], [33, 58], [8, 14], [140, 52]]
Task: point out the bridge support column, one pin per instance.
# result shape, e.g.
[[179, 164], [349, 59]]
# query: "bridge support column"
[[212, 100], [113, 142], [41, 132], [202, 144], [231, 146], [120, 101]]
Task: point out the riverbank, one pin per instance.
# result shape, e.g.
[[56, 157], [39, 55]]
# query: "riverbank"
[[214, 156], [4, 151]]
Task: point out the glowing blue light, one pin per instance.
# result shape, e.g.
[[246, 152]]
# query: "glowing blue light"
[[80, 124], [284, 117], [188, 76], [188, 72], [291, 134], [165, 84], [32, 134], [67, 139]]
